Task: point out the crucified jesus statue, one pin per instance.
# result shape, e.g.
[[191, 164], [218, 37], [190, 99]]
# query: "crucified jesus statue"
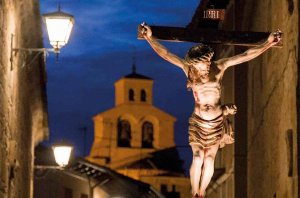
[[209, 127]]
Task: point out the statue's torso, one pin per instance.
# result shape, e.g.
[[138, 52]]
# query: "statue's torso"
[[207, 95]]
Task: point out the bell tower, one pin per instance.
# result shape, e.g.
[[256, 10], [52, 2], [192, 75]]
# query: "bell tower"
[[134, 127], [133, 89]]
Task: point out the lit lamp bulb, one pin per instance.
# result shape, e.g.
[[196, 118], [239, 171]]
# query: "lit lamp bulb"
[[59, 27], [62, 154]]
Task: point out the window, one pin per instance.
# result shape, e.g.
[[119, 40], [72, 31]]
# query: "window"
[[124, 133], [290, 153], [131, 95], [147, 135], [143, 95]]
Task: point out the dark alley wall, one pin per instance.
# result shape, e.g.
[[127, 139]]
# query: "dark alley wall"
[[271, 100], [23, 109]]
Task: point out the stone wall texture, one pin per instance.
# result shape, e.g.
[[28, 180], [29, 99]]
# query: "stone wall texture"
[[23, 107], [271, 152]]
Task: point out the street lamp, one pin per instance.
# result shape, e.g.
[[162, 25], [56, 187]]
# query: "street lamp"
[[62, 152], [59, 26]]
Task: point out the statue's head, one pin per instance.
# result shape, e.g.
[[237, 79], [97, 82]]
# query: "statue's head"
[[199, 53], [198, 58]]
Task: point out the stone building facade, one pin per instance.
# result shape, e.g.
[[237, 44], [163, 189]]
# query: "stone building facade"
[[271, 81], [266, 93], [23, 107]]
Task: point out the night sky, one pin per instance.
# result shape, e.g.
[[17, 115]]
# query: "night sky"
[[100, 51]]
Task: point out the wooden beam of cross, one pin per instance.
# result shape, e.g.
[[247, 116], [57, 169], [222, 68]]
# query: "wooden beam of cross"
[[209, 36]]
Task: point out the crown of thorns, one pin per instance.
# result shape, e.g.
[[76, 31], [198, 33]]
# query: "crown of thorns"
[[199, 53]]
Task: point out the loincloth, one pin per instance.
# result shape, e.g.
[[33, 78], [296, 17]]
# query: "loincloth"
[[207, 133]]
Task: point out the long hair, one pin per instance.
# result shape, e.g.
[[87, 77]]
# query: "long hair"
[[193, 77], [199, 53]]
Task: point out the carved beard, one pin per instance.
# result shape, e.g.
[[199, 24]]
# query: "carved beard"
[[195, 76], [204, 74]]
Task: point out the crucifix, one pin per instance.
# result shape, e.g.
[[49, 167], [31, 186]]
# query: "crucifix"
[[208, 36], [209, 126]]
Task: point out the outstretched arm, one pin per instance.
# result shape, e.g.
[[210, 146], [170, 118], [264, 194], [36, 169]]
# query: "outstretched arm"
[[160, 49], [252, 53]]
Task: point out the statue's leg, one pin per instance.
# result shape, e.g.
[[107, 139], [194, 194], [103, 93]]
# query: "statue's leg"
[[195, 170], [208, 167]]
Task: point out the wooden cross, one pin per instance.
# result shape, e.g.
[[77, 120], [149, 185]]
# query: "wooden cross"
[[209, 36]]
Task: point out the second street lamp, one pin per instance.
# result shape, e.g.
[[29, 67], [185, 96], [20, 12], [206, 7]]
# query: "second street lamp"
[[62, 152]]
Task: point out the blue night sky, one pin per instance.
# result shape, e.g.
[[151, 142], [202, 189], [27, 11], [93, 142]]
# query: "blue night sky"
[[100, 51]]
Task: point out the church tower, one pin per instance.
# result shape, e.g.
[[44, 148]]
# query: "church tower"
[[136, 139], [134, 127]]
